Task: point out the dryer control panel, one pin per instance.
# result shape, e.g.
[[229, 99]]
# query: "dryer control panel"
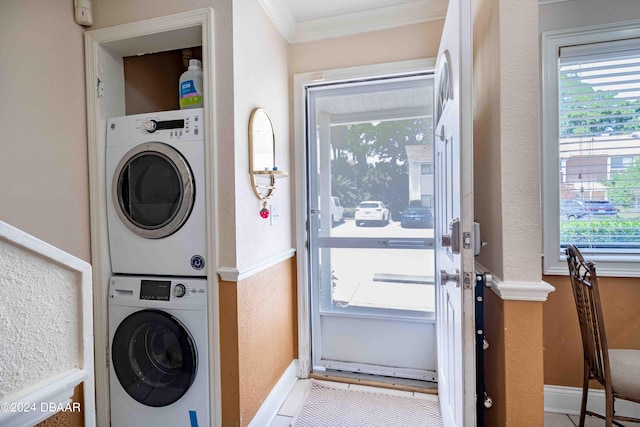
[[183, 128], [163, 126]]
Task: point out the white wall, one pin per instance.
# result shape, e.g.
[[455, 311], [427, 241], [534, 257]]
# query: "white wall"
[[506, 145], [260, 80], [43, 148], [580, 13], [39, 340]]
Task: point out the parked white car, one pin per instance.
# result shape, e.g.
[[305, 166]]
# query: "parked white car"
[[337, 211], [372, 212]]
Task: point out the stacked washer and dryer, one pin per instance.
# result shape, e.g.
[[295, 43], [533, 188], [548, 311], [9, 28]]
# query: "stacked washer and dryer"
[[158, 293]]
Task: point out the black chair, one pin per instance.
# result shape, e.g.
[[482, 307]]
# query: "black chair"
[[618, 371]]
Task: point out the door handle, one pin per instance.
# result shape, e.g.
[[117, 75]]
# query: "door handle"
[[448, 277]]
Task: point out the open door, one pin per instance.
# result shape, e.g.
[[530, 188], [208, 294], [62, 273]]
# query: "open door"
[[454, 238]]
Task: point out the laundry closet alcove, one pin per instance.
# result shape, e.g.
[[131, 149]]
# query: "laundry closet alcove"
[[105, 50]]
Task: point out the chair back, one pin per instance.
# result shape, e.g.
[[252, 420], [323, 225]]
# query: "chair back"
[[584, 282]]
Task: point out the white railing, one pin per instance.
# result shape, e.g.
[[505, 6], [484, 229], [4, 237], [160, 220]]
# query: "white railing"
[[46, 331]]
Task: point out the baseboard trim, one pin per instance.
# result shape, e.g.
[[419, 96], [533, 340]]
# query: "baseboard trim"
[[566, 400], [269, 409]]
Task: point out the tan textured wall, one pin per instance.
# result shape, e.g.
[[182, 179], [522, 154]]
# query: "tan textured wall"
[[417, 41], [523, 363], [67, 419], [514, 362], [266, 325], [258, 339], [494, 358], [563, 347], [229, 372]]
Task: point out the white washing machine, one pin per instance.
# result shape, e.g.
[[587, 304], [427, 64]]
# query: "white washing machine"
[[158, 352], [155, 195]]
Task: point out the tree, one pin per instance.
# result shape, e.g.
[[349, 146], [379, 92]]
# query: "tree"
[[586, 111], [370, 160], [624, 187]]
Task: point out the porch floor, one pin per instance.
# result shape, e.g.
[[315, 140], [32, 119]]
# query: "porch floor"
[[296, 398]]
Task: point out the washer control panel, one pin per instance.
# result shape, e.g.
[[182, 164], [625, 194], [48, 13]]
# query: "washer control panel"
[[153, 291], [187, 290]]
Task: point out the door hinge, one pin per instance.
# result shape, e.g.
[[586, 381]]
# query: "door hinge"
[[99, 88], [107, 358]]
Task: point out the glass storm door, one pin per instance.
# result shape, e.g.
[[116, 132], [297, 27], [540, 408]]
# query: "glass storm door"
[[371, 247]]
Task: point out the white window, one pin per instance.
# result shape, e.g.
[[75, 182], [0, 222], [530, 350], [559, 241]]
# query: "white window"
[[591, 147]]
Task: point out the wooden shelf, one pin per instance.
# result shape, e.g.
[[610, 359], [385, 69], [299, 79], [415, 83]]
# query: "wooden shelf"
[[275, 174]]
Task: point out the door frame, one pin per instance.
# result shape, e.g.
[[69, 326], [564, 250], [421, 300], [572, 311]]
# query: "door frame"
[[105, 49], [300, 82]]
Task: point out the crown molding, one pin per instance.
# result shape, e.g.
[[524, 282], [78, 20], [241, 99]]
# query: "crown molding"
[[546, 2], [281, 16], [357, 22], [370, 20], [352, 23]]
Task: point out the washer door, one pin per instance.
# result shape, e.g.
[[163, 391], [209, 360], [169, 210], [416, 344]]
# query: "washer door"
[[153, 190], [154, 357]]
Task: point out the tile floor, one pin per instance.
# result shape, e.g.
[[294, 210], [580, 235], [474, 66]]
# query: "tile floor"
[[562, 420], [296, 397]]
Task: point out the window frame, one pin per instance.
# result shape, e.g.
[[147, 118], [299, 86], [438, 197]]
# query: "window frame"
[[554, 261]]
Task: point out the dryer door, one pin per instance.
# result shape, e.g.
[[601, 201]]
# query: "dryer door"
[[153, 190], [154, 357]]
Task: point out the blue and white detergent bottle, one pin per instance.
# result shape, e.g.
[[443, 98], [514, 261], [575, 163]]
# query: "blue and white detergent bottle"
[[190, 88]]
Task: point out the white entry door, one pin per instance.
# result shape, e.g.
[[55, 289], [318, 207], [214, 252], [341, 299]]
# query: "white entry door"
[[454, 238]]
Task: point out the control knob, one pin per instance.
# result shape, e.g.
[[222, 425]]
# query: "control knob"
[[179, 291], [150, 126]]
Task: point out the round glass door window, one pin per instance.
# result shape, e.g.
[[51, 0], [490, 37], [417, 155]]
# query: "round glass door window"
[[154, 357], [153, 190]]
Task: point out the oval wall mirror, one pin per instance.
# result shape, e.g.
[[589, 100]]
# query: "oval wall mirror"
[[261, 153]]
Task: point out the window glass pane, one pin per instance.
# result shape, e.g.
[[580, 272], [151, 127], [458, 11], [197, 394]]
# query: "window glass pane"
[[599, 149], [426, 168]]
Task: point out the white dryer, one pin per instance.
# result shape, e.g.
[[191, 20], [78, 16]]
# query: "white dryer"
[[155, 195], [158, 352]]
